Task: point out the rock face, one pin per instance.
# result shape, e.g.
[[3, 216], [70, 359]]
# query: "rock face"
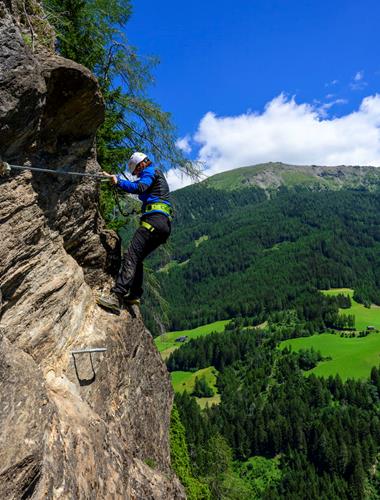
[[71, 426]]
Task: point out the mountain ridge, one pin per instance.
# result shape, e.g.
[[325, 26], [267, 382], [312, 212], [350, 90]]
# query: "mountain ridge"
[[272, 175]]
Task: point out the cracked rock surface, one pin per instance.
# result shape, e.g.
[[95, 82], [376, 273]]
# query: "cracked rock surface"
[[71, 426]]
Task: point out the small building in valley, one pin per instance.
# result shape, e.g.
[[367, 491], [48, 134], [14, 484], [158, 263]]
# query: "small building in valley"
[[183, 338]]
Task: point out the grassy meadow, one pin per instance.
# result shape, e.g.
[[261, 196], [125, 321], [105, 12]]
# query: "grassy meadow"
[[184, 381], [166, 343], [350, 357], [363, 316]]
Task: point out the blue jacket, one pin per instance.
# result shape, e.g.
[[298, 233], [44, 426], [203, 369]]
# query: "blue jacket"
[[151, 187]]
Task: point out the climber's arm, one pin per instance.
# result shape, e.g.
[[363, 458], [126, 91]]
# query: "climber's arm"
[[140, 186]]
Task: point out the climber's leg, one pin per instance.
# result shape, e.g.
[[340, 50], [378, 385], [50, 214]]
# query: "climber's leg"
[[131, 259], [128, 284], [136, 286], [142, 244]]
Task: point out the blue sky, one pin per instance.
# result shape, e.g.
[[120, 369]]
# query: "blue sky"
[[233, 58]]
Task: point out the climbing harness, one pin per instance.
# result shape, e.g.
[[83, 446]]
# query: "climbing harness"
[[6, 168], [162, 207]]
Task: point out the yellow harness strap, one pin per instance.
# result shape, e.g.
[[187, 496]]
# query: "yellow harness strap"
[[147, 226], [163, 207]]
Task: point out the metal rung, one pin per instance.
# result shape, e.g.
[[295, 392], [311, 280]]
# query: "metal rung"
[[94, 349]]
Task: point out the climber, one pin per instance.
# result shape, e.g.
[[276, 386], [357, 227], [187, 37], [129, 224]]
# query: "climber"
[[154, 229]]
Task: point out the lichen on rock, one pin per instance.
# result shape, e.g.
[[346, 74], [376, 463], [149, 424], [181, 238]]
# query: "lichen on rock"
[[71, 426]]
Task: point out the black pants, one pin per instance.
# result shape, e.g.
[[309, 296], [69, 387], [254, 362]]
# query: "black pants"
[[130, 278]]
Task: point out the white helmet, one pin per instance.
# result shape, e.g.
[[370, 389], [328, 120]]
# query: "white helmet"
[[134, 160]]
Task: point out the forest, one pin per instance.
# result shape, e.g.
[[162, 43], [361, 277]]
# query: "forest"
[[322, 434], [263, 255]]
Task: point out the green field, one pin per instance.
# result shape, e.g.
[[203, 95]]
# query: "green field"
[[363, 316], [350, 358], [166, 343], [184, 381]]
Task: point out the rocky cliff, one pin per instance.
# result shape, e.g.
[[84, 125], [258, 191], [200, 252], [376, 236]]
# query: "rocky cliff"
[[71, 426]]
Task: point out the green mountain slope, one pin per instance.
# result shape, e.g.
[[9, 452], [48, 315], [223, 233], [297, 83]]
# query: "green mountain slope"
[[270, 176], [240, 251]]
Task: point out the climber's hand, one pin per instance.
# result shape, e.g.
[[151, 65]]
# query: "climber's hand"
[[111, 177]]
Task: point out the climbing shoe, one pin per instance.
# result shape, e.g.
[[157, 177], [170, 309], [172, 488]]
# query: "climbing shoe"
[[111, 301]]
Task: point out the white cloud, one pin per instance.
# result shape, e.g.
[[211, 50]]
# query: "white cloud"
[[358, 82], [359, 76], [292, 133], [324, 108], [177, 180], [184, 144]]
